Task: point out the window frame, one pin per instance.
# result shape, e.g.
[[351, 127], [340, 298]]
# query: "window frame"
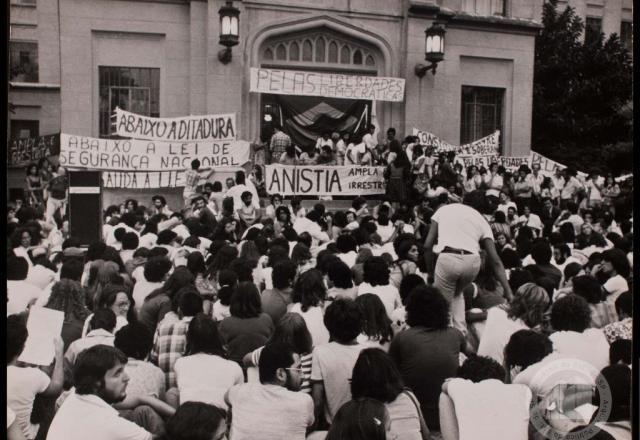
[[477, 114], [17, 53]]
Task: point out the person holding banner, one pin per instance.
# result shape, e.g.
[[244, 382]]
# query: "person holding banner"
[[192, 178]]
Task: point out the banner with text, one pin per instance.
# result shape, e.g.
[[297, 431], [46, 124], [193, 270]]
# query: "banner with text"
[[184, 129], [151, 180], [142, 155], [485, 146], [324, 180], [29, 150], [331, 85]]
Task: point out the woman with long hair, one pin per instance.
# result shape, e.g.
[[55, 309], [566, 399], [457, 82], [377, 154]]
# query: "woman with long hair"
[[376, 281], [291, 329], [68, 296], [360, 419], [376, 376], [376, 325], [227, 229], [205, 354], [117, 298], [34, 185], [101, 273], [248, 327], [195, 264], [158, 303], [289, 157], [221, 260], [406, 264], [309, 295]]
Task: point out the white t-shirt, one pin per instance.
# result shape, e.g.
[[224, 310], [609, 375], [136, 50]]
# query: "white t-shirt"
[[219, 311], [83, 417], [332, 363], [615, 286], [590, 346], [142, 289], [197, 383], [349, 258], [498, 329], [40, 276], [461, 227], [23, 384], [354, 151], [20, 294], [385, 232], [389, 295], [314, 319], [148, 240], [269, 412]]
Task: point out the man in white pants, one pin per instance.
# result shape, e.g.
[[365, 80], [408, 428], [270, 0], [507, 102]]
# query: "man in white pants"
[[461, 231], [57, 189]]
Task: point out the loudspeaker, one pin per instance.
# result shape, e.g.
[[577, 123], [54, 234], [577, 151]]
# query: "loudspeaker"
[[85, 206]]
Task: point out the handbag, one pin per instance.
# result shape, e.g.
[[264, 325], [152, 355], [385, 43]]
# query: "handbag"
[[424, 430]]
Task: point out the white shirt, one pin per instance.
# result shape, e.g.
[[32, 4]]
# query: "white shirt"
[[142, 289], [389, 295], [354, 151], [504, 207], [111, 239], [349, 258], [303, 224], [498, 329], [314, 319], [23, 384], [461, 227], [197, 383], [369, 141], [20, 294], [40, 276], [533, 221], [83, 417], [615, 286], [94, 337], [590, 346], [236, 192]]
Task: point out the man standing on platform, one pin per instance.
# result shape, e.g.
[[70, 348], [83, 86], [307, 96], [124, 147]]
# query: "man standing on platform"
[[279, 143], [192, 180], [57, 189]]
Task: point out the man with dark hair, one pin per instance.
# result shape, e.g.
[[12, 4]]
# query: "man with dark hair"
[[616, 266], [541, 254], [171, 342], [280, 141], [101, 327], [156, 271], [20, 294], [192, 177], [333, 362], [24, 384], [478, 368], [237, 191], [202, 212], [100, 381], [248, 214], [258, 409], [160, 205], [623, 329], [145, 379], [275, 301], [57, 190]]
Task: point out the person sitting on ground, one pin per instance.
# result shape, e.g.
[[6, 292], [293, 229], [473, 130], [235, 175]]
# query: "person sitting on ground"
[[309, 296], [376, 325], [377, 377], [541, 254], [258, 408], [197, 421], [20, 294], [204, 354], [361, 419], [101, 327], [376, 281], [602, 312], [24, 384], [276, 301], [623, 329], [340, 281], [100, 381]]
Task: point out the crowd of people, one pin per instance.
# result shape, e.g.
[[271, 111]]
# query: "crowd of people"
[[423, 315]]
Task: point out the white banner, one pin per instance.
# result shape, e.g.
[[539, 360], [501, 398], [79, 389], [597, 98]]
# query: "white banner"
[[485, 146], [141, 155], [154, 179], [331, 85], [324, 180], [184, 129]]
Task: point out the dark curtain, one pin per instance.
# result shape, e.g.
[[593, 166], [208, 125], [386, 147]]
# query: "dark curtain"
[[305, 118]]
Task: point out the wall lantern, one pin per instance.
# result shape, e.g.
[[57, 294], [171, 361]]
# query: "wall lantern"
[[229, 30], [434, 49]]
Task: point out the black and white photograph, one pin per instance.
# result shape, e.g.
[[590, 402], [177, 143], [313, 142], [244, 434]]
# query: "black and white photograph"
[[320, 220]]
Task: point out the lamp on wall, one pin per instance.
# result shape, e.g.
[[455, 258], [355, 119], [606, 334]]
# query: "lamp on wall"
[[229, 30], [434, 49]]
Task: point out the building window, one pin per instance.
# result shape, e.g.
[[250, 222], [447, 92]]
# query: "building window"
[[626, 35], [23, 59], [485, 7], [24, 129], [135, 89], [481, 112], [592, 28]]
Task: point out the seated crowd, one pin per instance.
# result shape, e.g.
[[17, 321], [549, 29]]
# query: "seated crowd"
[[396, 321]]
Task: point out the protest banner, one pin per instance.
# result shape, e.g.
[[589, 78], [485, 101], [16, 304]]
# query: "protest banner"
[[29, 150], [485, 146], [150, 180], [331, 85], [183, 129], [43, 325], [476, 160], [324, 180], [83, 152]]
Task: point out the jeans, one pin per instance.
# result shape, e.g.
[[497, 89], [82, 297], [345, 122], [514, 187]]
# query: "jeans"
[[453, 273], [53, 205], [145, 417]]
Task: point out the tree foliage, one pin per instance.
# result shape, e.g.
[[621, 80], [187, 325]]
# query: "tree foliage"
[[580, 90]]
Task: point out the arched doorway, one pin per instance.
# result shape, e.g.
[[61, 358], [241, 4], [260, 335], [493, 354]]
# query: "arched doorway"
[[321, 44]]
